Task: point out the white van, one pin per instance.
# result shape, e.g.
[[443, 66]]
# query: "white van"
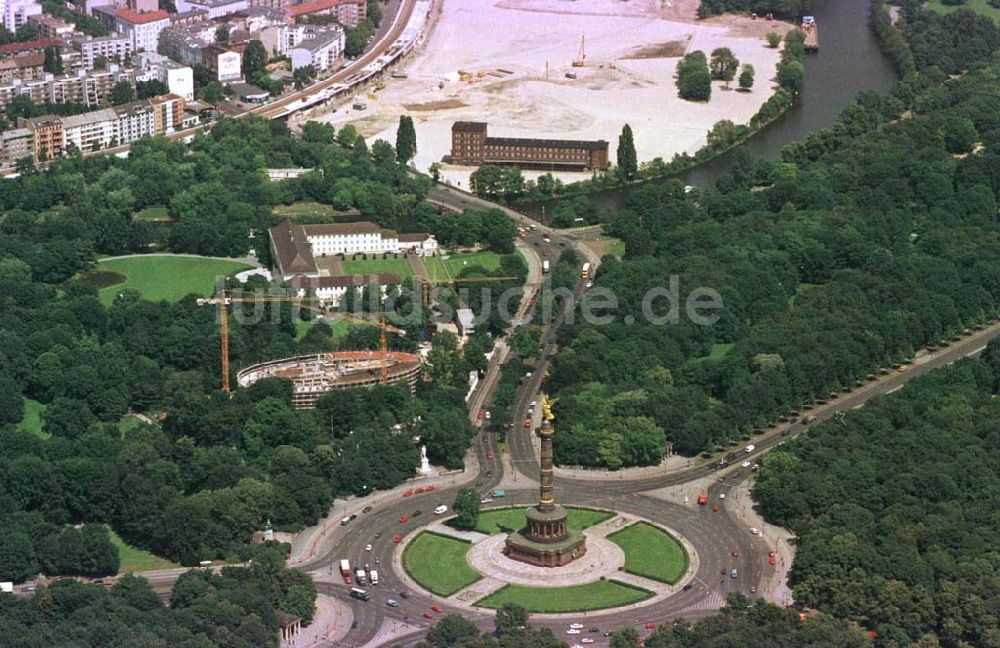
[[750, 448], [373, 577], [441, 510]]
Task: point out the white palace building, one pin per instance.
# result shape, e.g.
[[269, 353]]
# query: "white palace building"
[[295, 248]]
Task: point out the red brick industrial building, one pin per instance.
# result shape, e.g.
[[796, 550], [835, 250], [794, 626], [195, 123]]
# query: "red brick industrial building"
[[471, 146]]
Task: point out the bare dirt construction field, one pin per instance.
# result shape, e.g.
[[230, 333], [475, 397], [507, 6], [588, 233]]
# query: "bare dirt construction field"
[[519, 51]]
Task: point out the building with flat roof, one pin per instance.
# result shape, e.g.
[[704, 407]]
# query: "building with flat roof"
[[90, 131], [215, 8], [51, 27], [321, 51], [296, 247], [470, 145], [17, 12], [15, 144], [114, 48], [47, 136]]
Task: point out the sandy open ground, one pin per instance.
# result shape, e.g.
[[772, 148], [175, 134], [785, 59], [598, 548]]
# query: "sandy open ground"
[[518, 52]]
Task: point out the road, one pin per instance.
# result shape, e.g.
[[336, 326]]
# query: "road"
[[716, 535]]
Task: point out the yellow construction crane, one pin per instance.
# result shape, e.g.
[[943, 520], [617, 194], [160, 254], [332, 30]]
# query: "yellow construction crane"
[[582, 56], [222, 300]]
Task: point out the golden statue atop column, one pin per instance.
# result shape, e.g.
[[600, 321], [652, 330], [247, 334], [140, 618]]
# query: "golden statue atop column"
[[545, 541]]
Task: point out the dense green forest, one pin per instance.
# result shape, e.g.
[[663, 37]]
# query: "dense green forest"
[[742, 622], [865, 243], [196, 485], [234, 609], [896, 509]]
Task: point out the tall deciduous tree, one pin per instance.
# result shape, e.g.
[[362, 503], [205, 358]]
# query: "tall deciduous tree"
[[628, 165], [746, 77], [254, 58], [406, 139], [466, 509]]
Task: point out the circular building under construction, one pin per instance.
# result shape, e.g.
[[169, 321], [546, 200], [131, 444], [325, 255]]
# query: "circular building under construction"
[[314, 375]]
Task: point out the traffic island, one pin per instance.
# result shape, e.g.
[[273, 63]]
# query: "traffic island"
[[599, 595], [438, 563]]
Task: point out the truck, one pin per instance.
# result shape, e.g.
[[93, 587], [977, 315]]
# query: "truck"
[[359, 576], [345, 571], [373, 576], [585, 272], [545, 265]]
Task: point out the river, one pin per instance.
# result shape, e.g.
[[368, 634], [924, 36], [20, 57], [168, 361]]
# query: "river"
[[849, 61]]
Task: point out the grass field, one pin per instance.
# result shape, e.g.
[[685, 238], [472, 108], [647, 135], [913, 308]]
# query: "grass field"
[[577, 519], [391, 265], [311, 211], [32, 420], [136, 560], [444, 269], [651, 552], [166, 277], [339, 328], [577, 598], [607, 245], [157, 212], [979, 6], [438, 563]]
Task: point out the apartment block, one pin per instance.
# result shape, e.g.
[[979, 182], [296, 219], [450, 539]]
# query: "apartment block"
[[47, 136], [17, 12], [113, 48], [50, 26], [25, 68], [347, 12], [168, 113], [321, 51], [90, 131], [134, 121], [215, 8], [15, 144], [143, 29]]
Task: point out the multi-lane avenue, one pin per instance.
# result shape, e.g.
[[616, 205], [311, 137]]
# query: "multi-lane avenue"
[[714, 534]]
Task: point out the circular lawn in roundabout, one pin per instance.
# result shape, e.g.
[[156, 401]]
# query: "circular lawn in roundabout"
[[651, 552], [599, 595], [437, 563]]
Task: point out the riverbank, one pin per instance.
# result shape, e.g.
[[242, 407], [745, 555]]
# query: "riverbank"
[[518, 80]]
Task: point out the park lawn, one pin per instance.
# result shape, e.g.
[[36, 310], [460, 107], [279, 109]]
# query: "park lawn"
[[577, 519], [607, 245], [167, 277], [576, 598], [979, 6], [310, 209], [32, 419], [400, 267], [651, 552], [450, 267], [155, 212], [437, 563], [338, 327], [134, 559]]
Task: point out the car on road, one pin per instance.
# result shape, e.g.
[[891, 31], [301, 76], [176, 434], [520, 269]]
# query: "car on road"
[[736, 554], [572, 631], [392, 603], [368, 547], [437, 608], [366, 509], [347, 520], [650, 626], [378, 534], [589, 284], [687, 587], [404, 595], [478, 484], [753, 589], [587, 640], [404, 519], [754, 531], [489, 455], [430, 489], [578, 626], [722, 496], [715, 508], [486, 500], [416, 513], [428, 615], [772, 558], [441, 510], [481, 415], [408, 493], [750, 448], [745, 464], [734, 573], [487, 415], [527, 424], [418, 490]]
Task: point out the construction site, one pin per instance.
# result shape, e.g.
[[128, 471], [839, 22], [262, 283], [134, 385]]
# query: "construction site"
[[564, 69], [314, 375]]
